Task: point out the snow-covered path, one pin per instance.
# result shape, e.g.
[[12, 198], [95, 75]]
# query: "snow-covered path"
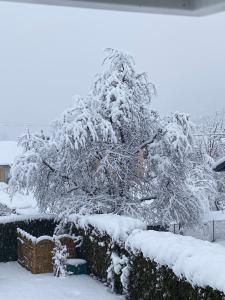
[[17, 283]]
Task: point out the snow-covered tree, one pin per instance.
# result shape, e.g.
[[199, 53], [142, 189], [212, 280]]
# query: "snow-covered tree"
[[59, 259], [92, 160], [211, 134], [177, 175], [211, 140], [111, 153]]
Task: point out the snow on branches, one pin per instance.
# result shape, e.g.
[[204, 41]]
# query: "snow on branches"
[[210, 134], [176, 175], [110, 153]]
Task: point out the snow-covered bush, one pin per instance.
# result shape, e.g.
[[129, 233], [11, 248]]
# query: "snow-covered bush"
[[59, 258], [118, 271]]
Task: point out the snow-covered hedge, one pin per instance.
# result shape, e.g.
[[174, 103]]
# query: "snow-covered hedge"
[[115, 226], [149, 264], [25, 218], [103, 245], [143, 264], [36, 225], [175, 265]]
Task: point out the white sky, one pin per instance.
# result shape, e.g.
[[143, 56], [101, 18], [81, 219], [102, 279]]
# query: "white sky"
[[48, 54]]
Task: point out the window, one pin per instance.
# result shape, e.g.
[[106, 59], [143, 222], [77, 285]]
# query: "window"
[[4, 174]]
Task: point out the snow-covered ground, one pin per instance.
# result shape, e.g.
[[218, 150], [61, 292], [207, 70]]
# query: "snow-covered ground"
[[23, 204], [17, 283], [211, 228]]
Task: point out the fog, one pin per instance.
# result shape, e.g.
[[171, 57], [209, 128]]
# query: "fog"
[[49, 54]]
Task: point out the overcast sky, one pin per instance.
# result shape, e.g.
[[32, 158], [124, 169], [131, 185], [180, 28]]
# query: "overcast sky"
[[49, 54]]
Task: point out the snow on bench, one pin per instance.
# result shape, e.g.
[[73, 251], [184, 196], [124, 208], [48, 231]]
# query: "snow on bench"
[[117, 227], [201, 263], [76, 261]]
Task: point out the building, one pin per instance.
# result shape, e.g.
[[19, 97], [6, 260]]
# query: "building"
[[180, 7], [8, 151]]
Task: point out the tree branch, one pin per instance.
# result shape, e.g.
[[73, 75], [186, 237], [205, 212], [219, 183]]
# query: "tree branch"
[[151, 197], [148, 142]]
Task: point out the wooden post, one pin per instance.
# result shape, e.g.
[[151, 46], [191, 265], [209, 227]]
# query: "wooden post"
[[213, 223]]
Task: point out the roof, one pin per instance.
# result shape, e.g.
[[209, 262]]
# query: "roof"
[[181, 7], [8, 151], [219, 166]]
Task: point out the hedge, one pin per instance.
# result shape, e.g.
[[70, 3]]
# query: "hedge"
[[139, 278], [149, 281], [97, 250], [8, 235], [110, 261]]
